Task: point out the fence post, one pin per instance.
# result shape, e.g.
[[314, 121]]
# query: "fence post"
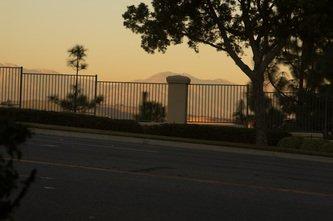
[[177, 99], [95, 95], [21, 88], [326, 116], [247, 101]]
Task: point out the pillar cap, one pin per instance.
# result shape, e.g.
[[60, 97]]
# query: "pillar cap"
[[178, 79]]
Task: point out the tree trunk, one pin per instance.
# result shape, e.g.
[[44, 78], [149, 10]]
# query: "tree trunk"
[[260, 110], [76, 85]]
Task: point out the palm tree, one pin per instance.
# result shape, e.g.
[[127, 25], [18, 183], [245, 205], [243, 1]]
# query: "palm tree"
[[77, 56]]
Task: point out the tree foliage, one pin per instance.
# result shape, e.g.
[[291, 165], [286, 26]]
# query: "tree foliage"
[[11, 135], [76, 100], [151, 111], [306, 49], [77, 56]]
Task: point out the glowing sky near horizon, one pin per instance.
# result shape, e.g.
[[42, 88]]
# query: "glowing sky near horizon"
[[37, 33]]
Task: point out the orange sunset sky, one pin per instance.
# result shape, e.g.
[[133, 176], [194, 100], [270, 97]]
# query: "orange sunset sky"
[[37, 33]]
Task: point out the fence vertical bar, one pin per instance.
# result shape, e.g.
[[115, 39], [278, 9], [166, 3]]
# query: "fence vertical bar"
[[95, 95], [247, 101], [326, 116], [21, 87]]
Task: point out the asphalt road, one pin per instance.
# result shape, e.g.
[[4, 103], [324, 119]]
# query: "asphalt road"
[[82, 178]]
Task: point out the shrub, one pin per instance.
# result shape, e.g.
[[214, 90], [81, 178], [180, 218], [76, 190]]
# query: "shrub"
[[274, 136], [313, 144], [291, 142], [217, 133], [308, 144], [70, 119], [204, 132], [151, 111], [328, 147]]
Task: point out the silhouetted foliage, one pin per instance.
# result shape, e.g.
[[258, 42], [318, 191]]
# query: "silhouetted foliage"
[[77, 55], [242, 116], [150, 111], [204, 132], [70, 119], [76, 101], [244, 112], [230, 26], [11, 135], [309, 61]]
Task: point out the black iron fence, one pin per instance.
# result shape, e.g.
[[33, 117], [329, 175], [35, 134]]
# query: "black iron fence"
[[207, 104], [38, 89], [233, 105], [10, 82], [308, 112], [57, 92], [132, 100]]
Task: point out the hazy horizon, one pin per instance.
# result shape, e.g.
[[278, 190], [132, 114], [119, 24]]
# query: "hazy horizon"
[[37, 33]]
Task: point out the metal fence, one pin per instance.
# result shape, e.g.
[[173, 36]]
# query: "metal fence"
[[10, 82], [207, 104], [121, 100], [214, 103], [37, 89], [308, 112], [132, 100], [232, 105]]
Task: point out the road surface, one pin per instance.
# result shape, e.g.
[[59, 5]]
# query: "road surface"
[[82, 178]]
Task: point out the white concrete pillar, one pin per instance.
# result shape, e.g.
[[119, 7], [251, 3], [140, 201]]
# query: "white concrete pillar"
[[177, 99]]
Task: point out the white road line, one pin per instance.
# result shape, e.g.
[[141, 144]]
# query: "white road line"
[[49, 187]]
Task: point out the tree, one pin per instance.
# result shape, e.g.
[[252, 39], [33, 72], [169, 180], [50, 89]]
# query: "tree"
[[305, 47], [309, 65], [231, 26], [77, 55], [11, 135], [76, 101]]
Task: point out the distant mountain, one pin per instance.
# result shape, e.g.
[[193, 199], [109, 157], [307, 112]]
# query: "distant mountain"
[[27, 70], [161, 78]]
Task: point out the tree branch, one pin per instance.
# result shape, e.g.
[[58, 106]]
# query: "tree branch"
[[228, 47], [275, 50], [218, 47]]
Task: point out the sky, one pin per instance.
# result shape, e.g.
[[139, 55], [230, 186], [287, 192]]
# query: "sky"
[[37, 34]]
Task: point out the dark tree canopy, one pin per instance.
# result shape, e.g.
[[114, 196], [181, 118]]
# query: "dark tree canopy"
[[226, 25], [12, 188]]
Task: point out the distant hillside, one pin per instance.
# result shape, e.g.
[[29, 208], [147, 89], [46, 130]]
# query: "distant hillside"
[[27, 70], [161, 78]]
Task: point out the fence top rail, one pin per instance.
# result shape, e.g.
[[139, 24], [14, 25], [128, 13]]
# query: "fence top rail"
[[128, 82], [10, 67], [223, 85], [55, 74]]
